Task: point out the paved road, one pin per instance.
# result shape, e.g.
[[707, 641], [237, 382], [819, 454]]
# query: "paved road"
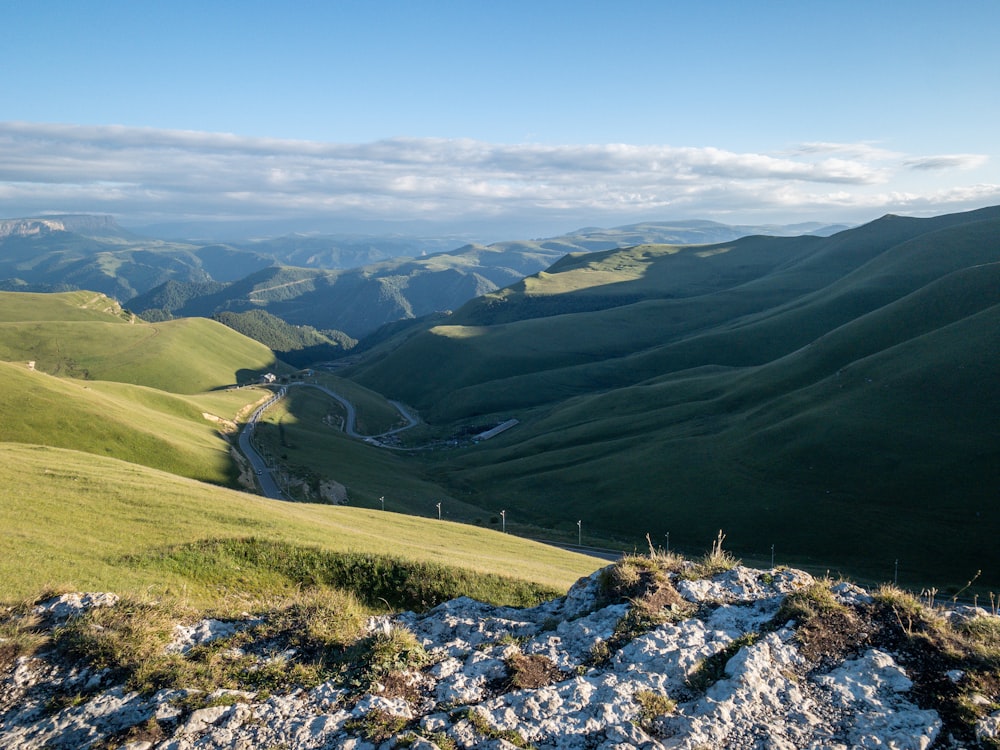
[[269, 488]]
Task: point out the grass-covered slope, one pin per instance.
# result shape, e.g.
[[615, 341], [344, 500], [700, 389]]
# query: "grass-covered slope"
[[74, 521], [830, 396], [82, 374], [132, 423], [570, 330], [108, 477], [83, 335]]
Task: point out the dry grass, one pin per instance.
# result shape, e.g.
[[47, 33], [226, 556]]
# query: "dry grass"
[[530, 671]]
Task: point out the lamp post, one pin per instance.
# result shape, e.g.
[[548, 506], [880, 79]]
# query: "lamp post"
[[439, 511], [503, 521], [579, 533], [382, 500], [668, 541]]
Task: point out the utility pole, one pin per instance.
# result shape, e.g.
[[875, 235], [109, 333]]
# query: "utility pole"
[[579, 533], [439, 511], [503, 521], [382, 500]]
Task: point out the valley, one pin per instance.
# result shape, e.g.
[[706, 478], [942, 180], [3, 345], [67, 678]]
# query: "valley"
[[821, 398]]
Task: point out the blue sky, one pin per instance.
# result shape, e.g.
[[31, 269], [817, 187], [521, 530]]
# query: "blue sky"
[[540, 116]]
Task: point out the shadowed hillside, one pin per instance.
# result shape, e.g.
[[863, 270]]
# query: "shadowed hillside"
[[829, 396]]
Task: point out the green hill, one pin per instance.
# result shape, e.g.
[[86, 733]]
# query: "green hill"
[[83, 335], [132, 423], [78, 522], [360, 300], [110, 447], [829, 396]]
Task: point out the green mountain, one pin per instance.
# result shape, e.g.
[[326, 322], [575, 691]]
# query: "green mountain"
[[88, 336], [115, 436], [89, 252], [358, 301], [299, 346], [340, 283], [829, 396]]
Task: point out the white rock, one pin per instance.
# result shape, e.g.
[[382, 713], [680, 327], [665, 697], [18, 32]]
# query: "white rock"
[[988, 728], [60, 608]]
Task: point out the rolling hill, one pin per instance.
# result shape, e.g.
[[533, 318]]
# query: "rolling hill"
[[114, 437], [359, 300], [88, 336], [829, 396], [83, 374]]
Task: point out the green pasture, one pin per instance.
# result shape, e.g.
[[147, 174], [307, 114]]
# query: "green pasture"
[[81, 522], [132, 423]]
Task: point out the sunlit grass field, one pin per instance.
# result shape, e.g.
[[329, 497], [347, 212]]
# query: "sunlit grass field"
[[73, 521]]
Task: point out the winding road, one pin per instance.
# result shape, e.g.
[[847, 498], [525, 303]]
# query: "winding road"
[[268, 486]]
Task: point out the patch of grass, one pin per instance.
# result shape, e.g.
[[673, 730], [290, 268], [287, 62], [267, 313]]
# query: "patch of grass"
[[22, 632], [374, 579], [825, 628], [125, 639], [711, 670], [291, 643], [713, 562], [984, 633], [644, 582], [653, 705], [378, 656], [377, 725], [482, 725]]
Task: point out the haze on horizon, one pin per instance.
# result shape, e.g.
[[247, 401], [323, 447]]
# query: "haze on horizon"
[[515, 120]]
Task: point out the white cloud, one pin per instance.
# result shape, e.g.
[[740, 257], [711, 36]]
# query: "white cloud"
[[149, 174], [947, 161]]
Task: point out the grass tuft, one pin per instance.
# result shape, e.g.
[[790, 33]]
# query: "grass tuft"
[[713, 562], [712, 669], [653, 705]]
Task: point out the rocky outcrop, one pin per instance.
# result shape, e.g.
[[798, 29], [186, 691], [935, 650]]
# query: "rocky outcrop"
[[721, 666], [81, 223]]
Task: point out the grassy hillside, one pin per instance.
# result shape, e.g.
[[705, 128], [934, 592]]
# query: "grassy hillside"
[[106, 384], [619, 318], [106, 476], [87, 336], [299, 346], [829, 396], [360, 300], [79, 522], [132, 423]]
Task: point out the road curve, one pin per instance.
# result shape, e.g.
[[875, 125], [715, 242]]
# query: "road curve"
[[268, 487]]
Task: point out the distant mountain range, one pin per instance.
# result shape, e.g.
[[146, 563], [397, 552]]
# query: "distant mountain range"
[[344, 283]]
